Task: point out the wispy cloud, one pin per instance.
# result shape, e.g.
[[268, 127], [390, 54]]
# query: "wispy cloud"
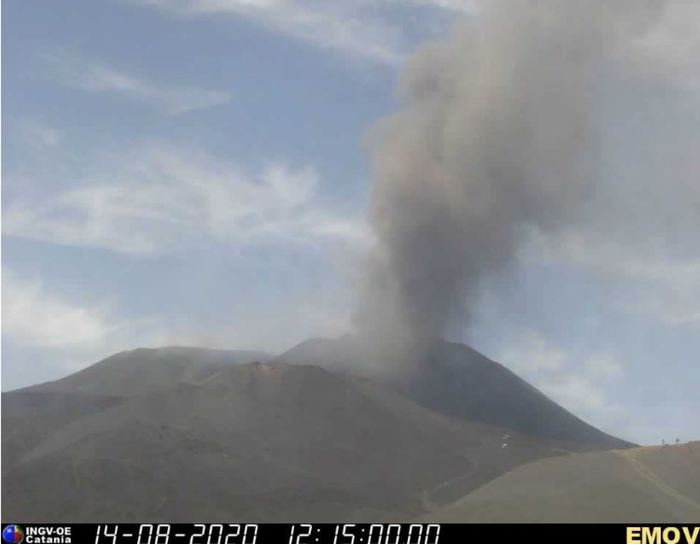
[[575, 381], [37, 135], [377, 30], [368, 29], [466, 6], [86, 75], [46, 333], [648, 282], [164, 199], [33, 316], [294, 318], [533, 353], [49, 334]]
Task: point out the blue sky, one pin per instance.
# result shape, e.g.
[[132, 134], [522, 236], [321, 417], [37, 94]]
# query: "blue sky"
[[194, 172]]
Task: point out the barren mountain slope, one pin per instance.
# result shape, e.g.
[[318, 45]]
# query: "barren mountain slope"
[[458, 381], [652, 484], [258, 442]]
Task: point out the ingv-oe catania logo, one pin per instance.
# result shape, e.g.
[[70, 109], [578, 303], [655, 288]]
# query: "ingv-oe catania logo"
[[13, 534]]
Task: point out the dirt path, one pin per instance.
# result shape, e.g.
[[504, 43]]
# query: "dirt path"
[[567, 452], [632, 456], [426, 499]]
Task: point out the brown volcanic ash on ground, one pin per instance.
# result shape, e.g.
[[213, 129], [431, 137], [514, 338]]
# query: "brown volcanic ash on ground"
[[493, 140]]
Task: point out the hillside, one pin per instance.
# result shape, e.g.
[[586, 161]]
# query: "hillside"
[[31, 414], [145, 370], [250, 441], [652, 484], [458, 381]]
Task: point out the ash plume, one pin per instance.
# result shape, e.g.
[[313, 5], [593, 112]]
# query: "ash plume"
[[494, 139]]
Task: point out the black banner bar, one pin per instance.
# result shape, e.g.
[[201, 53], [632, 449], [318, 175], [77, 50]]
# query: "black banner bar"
[[347, 533]]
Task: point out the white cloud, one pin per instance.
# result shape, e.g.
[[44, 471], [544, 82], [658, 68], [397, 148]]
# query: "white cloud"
[[163, 199], [669, 290], [369, 29], [577, 382], [603, 367], [47, 334], [648, 282], [53, 334], [575, 392], [32, 316], [375, 29], [581, 388], [532, 353], [276, 328], [173, 100], [466, 6], [37, 135]]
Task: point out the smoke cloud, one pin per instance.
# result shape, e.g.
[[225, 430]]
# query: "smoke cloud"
[[495, 139]]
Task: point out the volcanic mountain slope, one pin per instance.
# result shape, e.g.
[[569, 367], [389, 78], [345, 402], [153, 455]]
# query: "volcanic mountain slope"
[[29, 415], [146, 370], [653, 484], [189, 434], [252, 441], [458, 381]]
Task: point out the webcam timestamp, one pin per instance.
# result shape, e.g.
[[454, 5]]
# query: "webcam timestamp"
[[165, 533], [305, 533], [376, 533]]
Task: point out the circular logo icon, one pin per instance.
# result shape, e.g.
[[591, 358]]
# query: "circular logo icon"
[[13, 534]]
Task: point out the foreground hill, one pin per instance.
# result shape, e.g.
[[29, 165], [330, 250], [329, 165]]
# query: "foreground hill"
[[458, 381], [31, 414], [653, 484], [146, 370], [247, 441]]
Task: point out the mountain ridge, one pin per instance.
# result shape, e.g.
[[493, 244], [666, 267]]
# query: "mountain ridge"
[[298, 437], [260, 441], [458, 381]]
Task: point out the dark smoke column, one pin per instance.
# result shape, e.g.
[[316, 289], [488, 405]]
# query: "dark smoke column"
[[494, 140]]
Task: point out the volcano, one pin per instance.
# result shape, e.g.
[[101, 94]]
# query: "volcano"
[[456, 380], [187, 434]]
